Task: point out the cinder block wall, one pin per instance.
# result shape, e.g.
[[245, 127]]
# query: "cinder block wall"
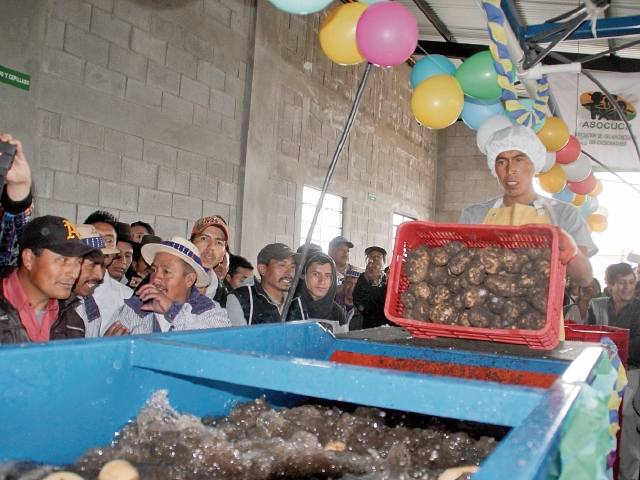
[[463, 177], [163, 111], [300, 104]]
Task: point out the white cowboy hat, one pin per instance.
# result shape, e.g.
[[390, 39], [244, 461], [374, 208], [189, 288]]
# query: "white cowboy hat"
[[184, 250]]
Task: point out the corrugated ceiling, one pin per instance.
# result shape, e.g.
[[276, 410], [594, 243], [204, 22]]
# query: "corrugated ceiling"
[[466, 22]]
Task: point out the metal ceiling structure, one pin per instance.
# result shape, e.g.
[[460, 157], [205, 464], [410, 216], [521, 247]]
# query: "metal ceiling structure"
[[458, 28]]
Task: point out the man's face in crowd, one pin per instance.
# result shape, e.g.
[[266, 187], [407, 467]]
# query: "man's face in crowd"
[[348, 285], [168, 276], [375, 260], [240, 276], [340, 255], [122, 260], [623, 288], [319, 278], [211, 244], [138, 232], [51, 274], [278, 275], [107, 232], [223, 267], [515, 172], [91, 275], [142, 268], [591, 291]]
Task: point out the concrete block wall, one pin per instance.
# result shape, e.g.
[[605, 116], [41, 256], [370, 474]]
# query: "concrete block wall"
[[298, 116], [139, 109], [462, 173]]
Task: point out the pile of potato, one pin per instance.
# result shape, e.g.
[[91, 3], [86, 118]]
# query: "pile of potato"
[[479, 287]]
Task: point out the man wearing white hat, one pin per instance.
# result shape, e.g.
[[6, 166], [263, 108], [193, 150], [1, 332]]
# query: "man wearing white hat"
[[171, 300], [514, 155]]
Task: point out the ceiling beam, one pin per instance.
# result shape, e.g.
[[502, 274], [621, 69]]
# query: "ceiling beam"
[[610, 63], [432, 16]]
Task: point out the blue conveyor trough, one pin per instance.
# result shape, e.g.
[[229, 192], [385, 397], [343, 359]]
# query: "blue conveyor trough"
[[62, 398]]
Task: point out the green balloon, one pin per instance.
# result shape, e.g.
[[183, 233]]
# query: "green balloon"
[[478, 78]]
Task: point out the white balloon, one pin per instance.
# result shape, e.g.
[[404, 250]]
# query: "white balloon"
[[602, 210], [551, 159], [594, 204], [578, 170], [488, 127]]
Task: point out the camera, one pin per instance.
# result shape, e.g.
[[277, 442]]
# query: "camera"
[[7, 152]]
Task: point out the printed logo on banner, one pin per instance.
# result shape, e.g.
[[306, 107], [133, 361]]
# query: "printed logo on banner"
[[601, 108]]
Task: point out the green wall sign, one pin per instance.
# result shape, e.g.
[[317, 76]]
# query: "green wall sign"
[[372, 197], [17, 79]]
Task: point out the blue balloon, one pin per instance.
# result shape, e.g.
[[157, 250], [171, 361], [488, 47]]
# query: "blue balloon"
[[565, 195], [476, 111], [301, 7], [371, 2], [585, 207], [429, 66]]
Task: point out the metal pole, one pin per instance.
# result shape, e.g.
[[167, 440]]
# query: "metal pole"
[[325, 186]]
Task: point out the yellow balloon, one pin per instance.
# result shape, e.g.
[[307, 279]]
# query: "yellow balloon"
[[554, 134], [597, 223], [598, 190], [437, 101], [579, 199], [554, 180], [338, 34]]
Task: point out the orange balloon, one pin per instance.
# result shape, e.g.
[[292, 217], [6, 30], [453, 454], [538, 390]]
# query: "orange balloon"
[[579, 199], [337, 34], [598, 190], [597, 223], [554, 180], [554, 134]]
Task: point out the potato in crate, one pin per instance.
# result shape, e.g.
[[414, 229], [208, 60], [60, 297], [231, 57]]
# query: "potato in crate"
[[481, 282]]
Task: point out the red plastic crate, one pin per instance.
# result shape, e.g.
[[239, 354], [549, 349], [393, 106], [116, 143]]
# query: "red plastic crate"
[[594, 333], [411, 235]]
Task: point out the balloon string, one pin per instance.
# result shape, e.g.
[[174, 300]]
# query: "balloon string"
[[325, 186]]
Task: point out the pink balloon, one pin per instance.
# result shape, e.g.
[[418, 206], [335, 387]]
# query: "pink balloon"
[[387, 34], [585, 187], [570, 152]]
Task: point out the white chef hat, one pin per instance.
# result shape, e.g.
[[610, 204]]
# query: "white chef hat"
[[516, 137]]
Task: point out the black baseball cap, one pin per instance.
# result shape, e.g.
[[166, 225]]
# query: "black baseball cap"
[[368, 250], [339, 240], [56, 234], [277, 251]]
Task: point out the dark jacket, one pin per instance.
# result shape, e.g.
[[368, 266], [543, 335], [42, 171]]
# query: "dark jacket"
[[324, 308], [258, 308], [68, 324], [602, 311], [369, 299]]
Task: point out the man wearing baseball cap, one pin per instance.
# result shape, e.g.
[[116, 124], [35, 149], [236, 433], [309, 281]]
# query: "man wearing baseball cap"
[[261, 301], [31, 296], [339, 251], [171, 300], [210, 235], [92, 273], [371, 289]]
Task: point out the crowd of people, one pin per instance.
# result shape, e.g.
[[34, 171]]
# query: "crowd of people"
[[105, 277]]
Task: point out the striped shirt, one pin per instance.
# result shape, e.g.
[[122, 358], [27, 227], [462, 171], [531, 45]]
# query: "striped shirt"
[[199, 312]]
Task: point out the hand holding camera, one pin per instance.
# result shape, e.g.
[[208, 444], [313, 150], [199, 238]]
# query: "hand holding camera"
[[14, 168]]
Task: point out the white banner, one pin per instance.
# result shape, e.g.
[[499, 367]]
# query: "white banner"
[[594, 121]]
